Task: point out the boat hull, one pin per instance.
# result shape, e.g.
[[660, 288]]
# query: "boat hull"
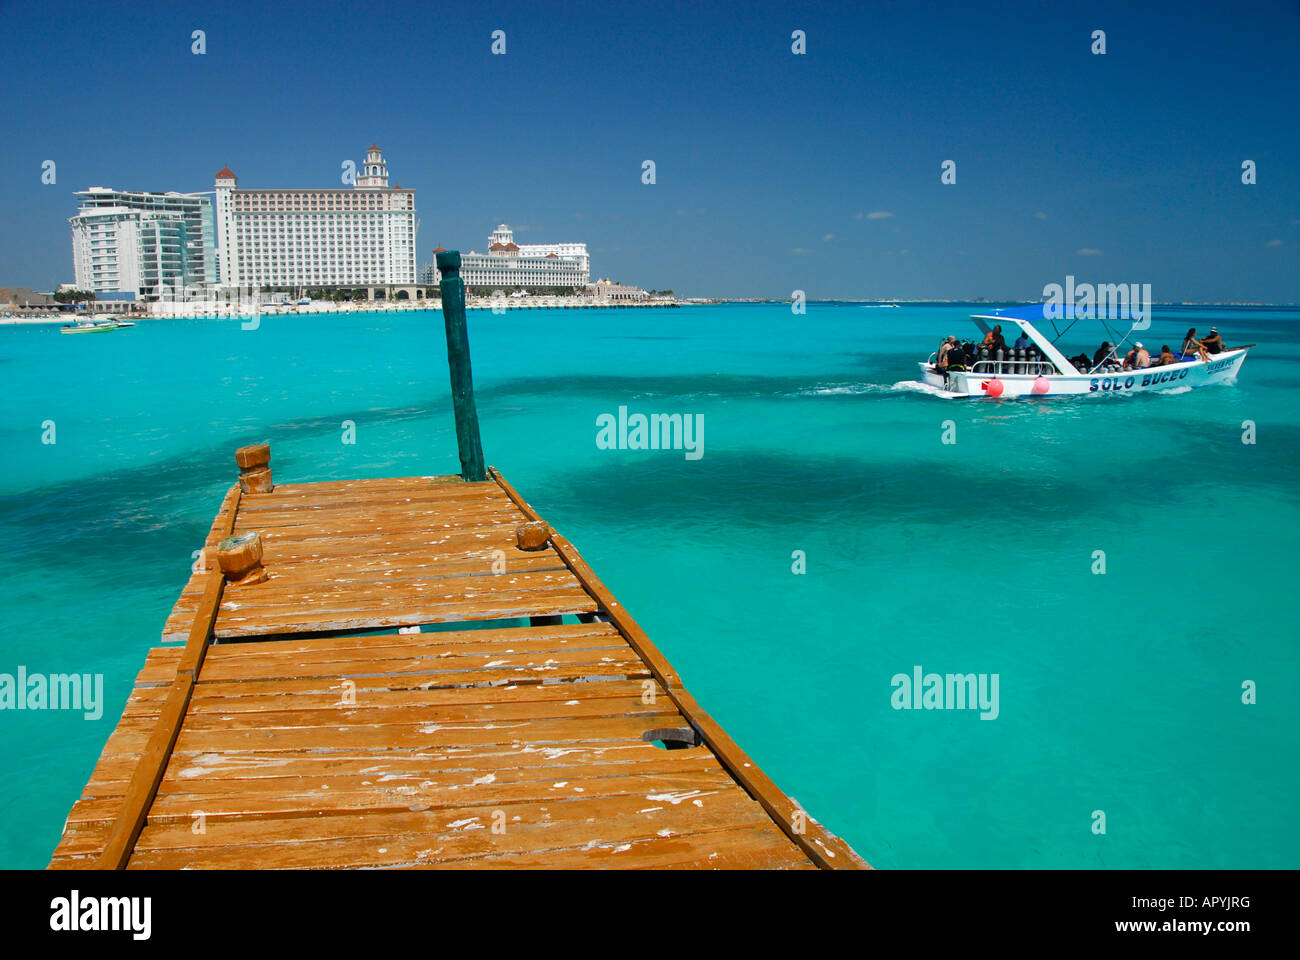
[[1194, 373], [95, 328]]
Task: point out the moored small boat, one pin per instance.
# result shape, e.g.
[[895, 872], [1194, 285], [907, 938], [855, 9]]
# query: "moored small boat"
[[99, 323]]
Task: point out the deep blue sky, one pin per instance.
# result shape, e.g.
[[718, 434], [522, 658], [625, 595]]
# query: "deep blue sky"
[[767, 163]]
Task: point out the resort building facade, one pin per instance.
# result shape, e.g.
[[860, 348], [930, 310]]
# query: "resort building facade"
[[157, 246], [195, 246], [508, 267], [617, 292], [358, 238]]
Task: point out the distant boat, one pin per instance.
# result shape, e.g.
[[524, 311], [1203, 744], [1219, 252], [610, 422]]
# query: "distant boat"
[[99, 323], [89, 326]]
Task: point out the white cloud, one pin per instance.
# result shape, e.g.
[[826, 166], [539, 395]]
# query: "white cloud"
[[1040, 215], [828, 238], [1275, 242], [1088, 252], [800, 251], [879, 215]]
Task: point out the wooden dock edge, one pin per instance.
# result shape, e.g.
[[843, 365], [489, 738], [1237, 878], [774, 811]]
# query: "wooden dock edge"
[[824, 848], [149, 769]]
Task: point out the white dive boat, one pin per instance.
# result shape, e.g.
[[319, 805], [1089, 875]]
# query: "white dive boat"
[[1043, 370]]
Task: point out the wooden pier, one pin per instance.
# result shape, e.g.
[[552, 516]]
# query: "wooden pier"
[[530, 723], [281, 736]]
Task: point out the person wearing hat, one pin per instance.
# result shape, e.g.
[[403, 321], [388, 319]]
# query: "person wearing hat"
[[1137, 358], [1213, 343]]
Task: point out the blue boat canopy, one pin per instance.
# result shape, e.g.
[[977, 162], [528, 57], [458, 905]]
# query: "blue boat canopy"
[[1037, 312]]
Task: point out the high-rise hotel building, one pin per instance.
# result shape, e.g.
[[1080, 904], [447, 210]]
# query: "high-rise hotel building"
[[171, 246], [362, 236], [157, 246]]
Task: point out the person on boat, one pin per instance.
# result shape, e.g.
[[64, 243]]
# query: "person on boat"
[[1137, 358], [1023, 342], [945, 350], [993, 341], [1213, 343], [1081, 363], [1192, 346], [1105, 356], [1166, 357]]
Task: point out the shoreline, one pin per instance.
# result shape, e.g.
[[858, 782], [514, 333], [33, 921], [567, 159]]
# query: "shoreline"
[[224, 310], [209, 309]]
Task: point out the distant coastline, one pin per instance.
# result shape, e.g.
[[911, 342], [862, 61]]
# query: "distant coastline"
[[229, 310]]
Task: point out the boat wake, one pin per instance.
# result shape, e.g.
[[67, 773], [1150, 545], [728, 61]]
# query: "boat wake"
[[920, 386], [840, 389], [860, 389]]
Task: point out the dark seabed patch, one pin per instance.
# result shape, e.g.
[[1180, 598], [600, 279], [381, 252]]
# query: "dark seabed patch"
[[765, 488]]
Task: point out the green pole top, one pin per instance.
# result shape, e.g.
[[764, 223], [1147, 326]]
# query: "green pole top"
[[448, 260]]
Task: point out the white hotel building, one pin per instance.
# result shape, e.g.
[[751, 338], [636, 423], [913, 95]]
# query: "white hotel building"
[[153, 246], [508, 267], [359, 238], [174, 246]]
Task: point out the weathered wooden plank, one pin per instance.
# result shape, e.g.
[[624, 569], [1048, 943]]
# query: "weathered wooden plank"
[[387, 839], [188, 777], [381, 700], [362, 685], [761, 847], [309, 800], [157, 748], [397, 764], [370, 512], [534, 660], [421, 737], [281, 593], [317, 488], [506, 638], [502, 606]]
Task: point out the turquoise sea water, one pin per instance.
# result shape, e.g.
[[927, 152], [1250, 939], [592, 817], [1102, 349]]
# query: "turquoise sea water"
[[1119, 692]]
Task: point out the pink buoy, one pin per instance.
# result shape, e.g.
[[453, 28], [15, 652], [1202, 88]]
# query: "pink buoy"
[[994, 387], [1041, 385]]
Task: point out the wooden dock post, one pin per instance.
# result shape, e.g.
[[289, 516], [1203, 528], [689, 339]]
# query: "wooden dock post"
[[472, 467], [254, 462]]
